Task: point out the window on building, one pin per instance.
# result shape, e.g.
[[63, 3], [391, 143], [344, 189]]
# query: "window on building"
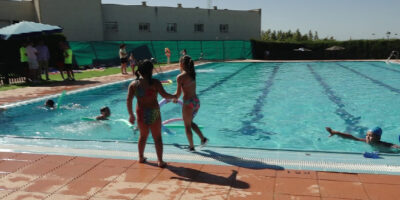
[[111, 26], [171, 27], [144, 27], [223, 28], [199, 28]]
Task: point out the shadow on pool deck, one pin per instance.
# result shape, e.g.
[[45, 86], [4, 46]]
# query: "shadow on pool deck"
[[193, 175], [233, 160]]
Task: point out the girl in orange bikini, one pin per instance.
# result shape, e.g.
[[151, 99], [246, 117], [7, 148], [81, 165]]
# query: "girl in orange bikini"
[[145, 88], [186, 82]]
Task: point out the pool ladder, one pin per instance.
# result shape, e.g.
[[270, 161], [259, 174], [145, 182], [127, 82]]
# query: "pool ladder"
[[394, 54]]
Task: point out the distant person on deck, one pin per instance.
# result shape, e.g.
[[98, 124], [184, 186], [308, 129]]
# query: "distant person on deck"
[[183, 52], [123, 57], [68, 62], [373, 137], [32, 61], [132, 63], [60, 58], [24, 61], [43, 59]]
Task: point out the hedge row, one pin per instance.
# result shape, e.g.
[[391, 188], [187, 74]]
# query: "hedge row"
[[354, 49]]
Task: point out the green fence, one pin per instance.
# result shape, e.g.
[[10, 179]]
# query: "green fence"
[[88, 53], [353, 49]]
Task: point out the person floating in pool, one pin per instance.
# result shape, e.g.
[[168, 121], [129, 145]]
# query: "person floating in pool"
[[146, 89], [105, 113], [373, 137], [186, 82], [50, 104]]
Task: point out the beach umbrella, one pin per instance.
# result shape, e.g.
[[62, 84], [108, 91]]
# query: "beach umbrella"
[[27, 29], [335, 48], [301, 49]]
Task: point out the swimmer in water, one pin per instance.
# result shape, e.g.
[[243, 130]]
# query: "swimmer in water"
[[49, 104], [105, 113], [373, 137]]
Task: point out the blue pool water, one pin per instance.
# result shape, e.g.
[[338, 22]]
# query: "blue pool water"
[[253, 105]]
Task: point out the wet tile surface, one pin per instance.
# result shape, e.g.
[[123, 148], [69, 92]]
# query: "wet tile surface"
[[338, 176], [295, 197], [68, 177], [382, 191], [297, 186], [340, 189]]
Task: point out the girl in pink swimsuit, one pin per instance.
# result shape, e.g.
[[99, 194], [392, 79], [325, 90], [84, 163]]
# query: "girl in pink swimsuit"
[[186, 82]]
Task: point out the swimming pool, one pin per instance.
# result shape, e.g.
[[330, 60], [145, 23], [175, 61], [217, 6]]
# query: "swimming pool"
[[283, 106]]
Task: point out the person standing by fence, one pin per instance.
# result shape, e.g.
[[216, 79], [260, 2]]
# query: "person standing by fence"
[[43, 59], [60, 58], [132, 63], [24, 61], [168, 54], [32, 53], [68, 62], [123, 57]]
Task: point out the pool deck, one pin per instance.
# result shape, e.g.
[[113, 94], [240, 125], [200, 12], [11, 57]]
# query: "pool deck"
[[35, 176], [38, 176]]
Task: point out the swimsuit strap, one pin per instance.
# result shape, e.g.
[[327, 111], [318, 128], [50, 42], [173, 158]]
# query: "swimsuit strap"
[[141, 92]]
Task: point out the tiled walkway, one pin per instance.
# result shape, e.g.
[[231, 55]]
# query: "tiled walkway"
[[33, 176]]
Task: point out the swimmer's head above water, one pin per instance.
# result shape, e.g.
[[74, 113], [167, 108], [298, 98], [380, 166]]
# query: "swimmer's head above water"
[[105, 111], [373, 135], [49, 103]]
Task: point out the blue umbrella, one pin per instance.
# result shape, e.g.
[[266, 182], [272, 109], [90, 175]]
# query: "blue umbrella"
[[26, 29]]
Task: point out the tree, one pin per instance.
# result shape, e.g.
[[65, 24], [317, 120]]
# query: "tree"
[[297, 35], [266, 35], [289, 35], [304, 37], [316, 36], [388, 34], [280, 36], [273, 36], [310, 35]]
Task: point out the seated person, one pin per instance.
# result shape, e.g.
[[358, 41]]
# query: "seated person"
[[49, 103], [373, 137], [105, 113]]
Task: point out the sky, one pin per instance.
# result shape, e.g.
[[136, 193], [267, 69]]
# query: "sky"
[[342, 19]]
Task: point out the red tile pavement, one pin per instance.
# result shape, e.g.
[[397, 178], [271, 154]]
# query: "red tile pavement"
[[69, 177], [35, 176]]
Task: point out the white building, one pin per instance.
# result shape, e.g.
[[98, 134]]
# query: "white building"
[[89, 20]]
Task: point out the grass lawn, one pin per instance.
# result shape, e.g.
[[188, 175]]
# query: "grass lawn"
[[88, 74], [78, 76]]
